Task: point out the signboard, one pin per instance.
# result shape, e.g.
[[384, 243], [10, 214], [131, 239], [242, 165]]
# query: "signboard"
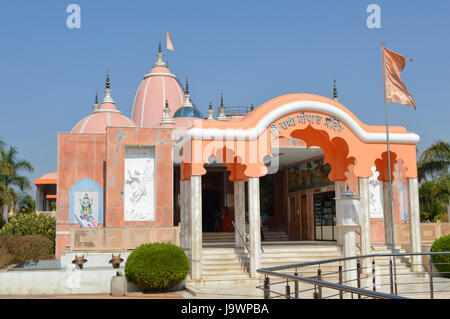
[[327, 122]]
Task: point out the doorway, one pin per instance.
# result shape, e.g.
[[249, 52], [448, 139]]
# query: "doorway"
[[210, 203], [294, 220], [303, 218], [324, 216]]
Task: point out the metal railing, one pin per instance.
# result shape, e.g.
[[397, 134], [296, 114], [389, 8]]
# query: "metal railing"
[[327, 279], [237, 110], [244, 239]]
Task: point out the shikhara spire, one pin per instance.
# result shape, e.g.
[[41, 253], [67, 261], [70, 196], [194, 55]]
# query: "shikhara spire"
[[335, 92], [96, 105], [167, 119], [108, 98], [186, 91], [160, 61], [221, 116], [210, 112]]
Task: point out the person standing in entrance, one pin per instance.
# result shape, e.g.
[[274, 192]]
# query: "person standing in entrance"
[[217, 221], [225, 220]]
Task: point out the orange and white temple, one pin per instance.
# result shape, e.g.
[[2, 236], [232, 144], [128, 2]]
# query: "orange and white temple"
[[169, 172]]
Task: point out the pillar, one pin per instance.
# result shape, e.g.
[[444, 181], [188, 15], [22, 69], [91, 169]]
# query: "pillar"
[[38, 199], [196, 226], [239, 213], [184, 215], [365, 221], [339, 187], [414, 222], [349, 243], [254, 225], [182, 221], [387, 213], [187, 216], [348, 220]]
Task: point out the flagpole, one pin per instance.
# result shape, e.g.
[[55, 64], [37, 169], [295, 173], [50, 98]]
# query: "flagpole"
[[391, 198]]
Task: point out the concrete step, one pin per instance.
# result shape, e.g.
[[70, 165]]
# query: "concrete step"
[[226, 291], [225, 262], [225, 271], [221, 282]]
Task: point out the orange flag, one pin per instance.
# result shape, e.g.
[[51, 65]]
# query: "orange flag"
[[169, 42], [395, 89]]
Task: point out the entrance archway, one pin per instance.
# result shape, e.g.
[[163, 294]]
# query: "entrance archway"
[[243, 145]]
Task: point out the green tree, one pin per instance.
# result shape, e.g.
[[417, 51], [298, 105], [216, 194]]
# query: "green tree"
[[434, 162], [10, 176], [433, 174], [26, 204]]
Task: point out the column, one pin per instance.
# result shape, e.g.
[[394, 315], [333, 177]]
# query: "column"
[[196, 227], [414, 222], [182, 216], [254, 225], [349, 241], [38, 199], [365, 221], [348, 213], [387, 213], [187, 216], [339, 187], [239, 213]]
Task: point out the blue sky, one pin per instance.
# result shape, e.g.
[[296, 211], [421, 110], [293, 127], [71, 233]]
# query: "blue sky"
[[252, 51]]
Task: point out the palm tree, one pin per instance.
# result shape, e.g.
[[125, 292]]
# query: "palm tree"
[[433, 174], [434, 161], [10, 177]]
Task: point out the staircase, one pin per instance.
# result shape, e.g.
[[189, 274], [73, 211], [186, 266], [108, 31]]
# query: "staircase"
[[225, 269], [228, 237], [403, 264]]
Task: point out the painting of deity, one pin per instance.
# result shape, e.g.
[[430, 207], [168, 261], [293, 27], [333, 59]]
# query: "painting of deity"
[[86, 198], [308, 175], [86, 208]]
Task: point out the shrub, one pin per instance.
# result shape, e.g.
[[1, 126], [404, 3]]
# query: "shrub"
[[15, 249], [31, 224], [2, 222], [157, 266], [5, 257], [440, 245]]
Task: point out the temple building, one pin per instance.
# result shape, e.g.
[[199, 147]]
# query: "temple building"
[[169, 172]]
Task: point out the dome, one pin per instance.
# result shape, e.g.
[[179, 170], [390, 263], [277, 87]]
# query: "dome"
[[104, 115], [187, 112], [187, 109], [157, 87], [99, 121]]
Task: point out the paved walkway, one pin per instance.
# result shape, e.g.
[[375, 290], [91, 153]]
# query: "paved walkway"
[[131, 295]]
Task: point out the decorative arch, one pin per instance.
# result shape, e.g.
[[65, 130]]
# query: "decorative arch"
[[316, 120]]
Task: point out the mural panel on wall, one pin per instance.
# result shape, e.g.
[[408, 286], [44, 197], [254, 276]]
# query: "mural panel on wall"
[[139, 184], [308, 175], [86, 199]]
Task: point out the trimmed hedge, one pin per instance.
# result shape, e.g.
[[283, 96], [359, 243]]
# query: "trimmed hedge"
[[15, 249], [157, 266], [440, 245], [31, 224]]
